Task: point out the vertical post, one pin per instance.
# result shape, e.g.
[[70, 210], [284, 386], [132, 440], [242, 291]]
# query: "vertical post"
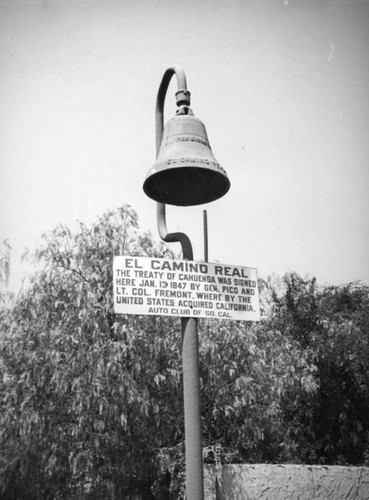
[[206, 259], [206, 245], [191, 403], [192, 412], [190, 349]]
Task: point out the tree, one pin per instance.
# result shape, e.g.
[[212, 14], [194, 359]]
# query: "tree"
[[332, 323], [86, 393]]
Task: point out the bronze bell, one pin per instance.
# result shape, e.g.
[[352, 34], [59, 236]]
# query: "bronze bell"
[[185, 172]]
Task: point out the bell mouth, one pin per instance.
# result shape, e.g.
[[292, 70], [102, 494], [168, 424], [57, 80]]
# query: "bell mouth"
[[186, 186]]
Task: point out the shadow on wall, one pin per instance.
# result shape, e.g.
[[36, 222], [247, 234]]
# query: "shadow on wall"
[[281, 482]]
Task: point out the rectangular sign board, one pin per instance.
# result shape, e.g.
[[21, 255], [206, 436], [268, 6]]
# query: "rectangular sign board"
[[145, 285]]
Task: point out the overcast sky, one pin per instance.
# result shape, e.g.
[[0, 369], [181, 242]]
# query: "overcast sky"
[[283, 90]]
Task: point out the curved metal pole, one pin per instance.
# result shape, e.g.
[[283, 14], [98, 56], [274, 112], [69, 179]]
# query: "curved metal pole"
[[182, 238], [190, 349], [159, 112]]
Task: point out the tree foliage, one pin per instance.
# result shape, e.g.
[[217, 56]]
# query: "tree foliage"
[[83, 389], [91, 402], [332, 425]]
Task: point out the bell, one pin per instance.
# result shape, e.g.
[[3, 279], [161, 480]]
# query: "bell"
[[186, 172]]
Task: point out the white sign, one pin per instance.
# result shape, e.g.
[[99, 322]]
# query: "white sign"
[[144, 285]]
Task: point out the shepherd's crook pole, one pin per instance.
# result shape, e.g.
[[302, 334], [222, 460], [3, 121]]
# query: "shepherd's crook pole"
[[190, 350]]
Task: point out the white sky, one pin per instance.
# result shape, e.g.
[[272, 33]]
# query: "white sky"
[[282, 87]]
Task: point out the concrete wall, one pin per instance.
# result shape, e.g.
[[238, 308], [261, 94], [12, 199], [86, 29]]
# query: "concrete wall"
[[286, 482]]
